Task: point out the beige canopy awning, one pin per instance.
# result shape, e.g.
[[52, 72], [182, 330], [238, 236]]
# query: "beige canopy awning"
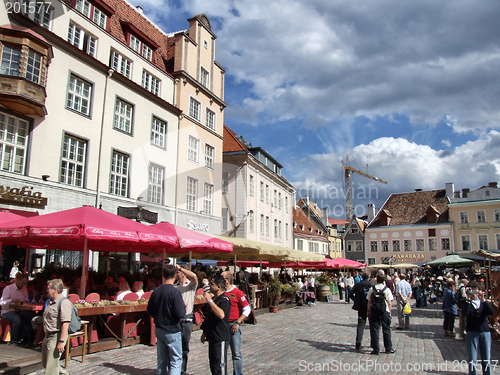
[[250, 250]]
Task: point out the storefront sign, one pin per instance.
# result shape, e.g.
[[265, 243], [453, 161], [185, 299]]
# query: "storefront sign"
[[407, 257], [139, 214], [200, 227], [25, 196]]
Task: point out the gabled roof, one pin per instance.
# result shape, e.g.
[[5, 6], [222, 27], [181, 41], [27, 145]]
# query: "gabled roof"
[[336, 221], [301, 219], [412, 208], [232, 142]]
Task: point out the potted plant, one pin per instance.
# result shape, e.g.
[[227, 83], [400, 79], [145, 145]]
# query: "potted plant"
[[274, 294]]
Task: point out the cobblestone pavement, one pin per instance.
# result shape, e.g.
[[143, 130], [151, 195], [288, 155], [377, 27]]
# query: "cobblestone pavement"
[[310, 340]]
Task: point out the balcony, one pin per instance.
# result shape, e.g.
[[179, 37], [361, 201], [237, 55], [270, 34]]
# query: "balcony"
[[22, 96]]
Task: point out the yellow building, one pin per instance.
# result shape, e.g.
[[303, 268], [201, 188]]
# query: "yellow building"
[[476, 218]]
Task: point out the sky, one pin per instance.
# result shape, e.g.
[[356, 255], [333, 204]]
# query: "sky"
[[409, 90]]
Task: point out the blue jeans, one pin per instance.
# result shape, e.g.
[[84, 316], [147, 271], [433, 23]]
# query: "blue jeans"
[[20, 323], [483, 341], [168, 352], [235, 343]]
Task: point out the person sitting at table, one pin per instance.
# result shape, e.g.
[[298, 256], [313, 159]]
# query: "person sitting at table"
[[109, 290], [123, 290], [76, 285], [137, 288], [12, 297]]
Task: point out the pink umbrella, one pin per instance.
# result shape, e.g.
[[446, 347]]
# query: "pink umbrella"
[[347, 263], [85, 228], [190, 240]]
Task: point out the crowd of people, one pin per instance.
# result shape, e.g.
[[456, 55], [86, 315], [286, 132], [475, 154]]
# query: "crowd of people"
[[172, 302]]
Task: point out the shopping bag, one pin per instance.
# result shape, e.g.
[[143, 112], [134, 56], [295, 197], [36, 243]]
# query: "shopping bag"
[[407, 309]]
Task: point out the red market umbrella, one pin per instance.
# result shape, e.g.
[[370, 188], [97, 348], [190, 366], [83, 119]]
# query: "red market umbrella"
[[84, 228], [347, 263], [190, 240]]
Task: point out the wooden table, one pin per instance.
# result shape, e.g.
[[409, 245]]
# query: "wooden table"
[[94, 312], [36, 307]]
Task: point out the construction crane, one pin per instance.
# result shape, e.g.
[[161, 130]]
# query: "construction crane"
[[346, 176]]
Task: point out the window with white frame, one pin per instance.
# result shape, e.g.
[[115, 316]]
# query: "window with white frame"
[[371, 261], [464, 217], [287, 235], [13, 143], [396, 246], [209, 156], [82, 39], [482, 240], [496, 214], [355, 245], [420, 244], [279, 229], [225, 182], [250, 221], [279, 201], [445, 244], [275, 198], [204, 78], [497, 235], [156, 184], [262, 192], [39, 12], [262, 224], [465, 239], [300, 244], [373, 246], [140, 47], [251, 186], [267, 226], [286, 204], [385, 246], [481, 216], [118, 181], [194, 109], [124, 113], [33, 67], [210, 119], [150, 83], [73, 158], [79, 95], [267, 193], [208, 198], [192, 194], [92, 12], [407, 244], [120, 64], [275, 228], [158, 133], [193, 149], [10, 60], [433, 244]]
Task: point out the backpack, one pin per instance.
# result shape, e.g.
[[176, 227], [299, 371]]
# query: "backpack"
[[75, 323], [378, 301], [459, 300]]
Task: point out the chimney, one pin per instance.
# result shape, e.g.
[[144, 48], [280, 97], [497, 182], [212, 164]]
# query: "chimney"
[[465, 192], [450, 189], [492, 184], [139, 9], [457, 194], [418, 190], [324, 216], [371, 212]]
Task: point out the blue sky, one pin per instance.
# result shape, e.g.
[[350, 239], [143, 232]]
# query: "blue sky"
[[410, 88]]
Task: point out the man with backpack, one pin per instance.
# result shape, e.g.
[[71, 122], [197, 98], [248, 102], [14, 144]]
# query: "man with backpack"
[[379, 314], [358, 295], [56, 320]]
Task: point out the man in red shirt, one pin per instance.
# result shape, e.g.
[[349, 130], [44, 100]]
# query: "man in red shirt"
[[240, 310]]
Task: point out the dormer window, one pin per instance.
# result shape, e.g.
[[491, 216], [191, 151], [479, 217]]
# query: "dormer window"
[[82, 39], [141, 48], [95, 12]]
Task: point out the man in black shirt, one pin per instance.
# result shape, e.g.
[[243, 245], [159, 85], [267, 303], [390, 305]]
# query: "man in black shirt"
[[358, 295], [167, 308], [216, 325]]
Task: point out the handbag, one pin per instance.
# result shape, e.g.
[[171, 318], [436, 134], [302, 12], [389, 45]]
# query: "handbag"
[[407, 309]]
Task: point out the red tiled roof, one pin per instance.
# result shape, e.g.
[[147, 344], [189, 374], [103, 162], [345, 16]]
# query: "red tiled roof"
[[301, 219], [412, 208], [336, 221], [231, 142]]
